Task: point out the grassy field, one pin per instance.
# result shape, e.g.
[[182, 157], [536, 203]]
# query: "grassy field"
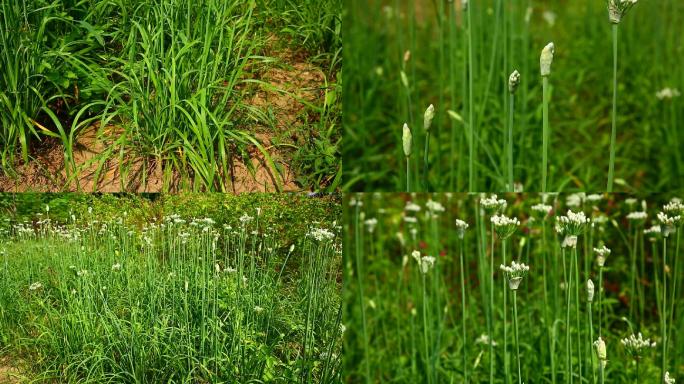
[[128, 95], [151, 294], [462, 288], [603, 114]]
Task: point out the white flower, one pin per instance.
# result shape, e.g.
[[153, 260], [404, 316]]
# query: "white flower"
[[461, 226], [576, 199], [550, 18], [504, 226], [116, 267], [371, 223], [590, 290], [492, 203], [321, 234], [594, 197], [637, 216], [426, 263], [542, 208], [546, 59], [601, 254], [667, 379], [428, 116], [412, 207], [515, 273], [485, 339], [635, 345], [416, 256], [35, 286], [573, 223], [513, 81], [600, 346], [258, 309], [674, 207], [82, 272], [407, 140], [343, 328], [569, 241], [630, 201], [667, 93], [434, 207]]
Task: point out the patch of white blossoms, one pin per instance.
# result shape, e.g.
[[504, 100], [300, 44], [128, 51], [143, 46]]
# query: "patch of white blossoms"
[[572, 223], [668, 93], [637, 216], [35, 286], [493, 203], [542, 208], [505, 226], [321, 234], [636, 344], [515, 273], [461, 226], [601, 253], [667, 379]]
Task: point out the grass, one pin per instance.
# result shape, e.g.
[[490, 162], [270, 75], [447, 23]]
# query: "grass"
[[175, 80], [464, 65], [449, 322], [162, 297]]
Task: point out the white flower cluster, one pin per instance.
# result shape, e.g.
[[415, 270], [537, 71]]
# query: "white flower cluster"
[[573, 223], [485, 339], [601, 254], [461, 226], [542, 208], [653, 230], [569, 241], [667, 379], [668, 93], [35, 286], [505, 226], [635, 344], [515, 273], [371, 223], [674, 207], [576, 199], [492, 203], [618, 8], [434, 208], [412, 207], [637, 216], [321, 234]]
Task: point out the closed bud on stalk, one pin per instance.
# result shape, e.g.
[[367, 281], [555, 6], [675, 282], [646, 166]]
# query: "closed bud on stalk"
[[407, 140], [428, 116], [546, 59], [513, 81], [590, 290], [600, 346]]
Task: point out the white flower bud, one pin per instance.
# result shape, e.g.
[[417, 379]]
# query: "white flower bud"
[[407, 140], [428, 116], [546, 59], [513, 81], [590, 290]]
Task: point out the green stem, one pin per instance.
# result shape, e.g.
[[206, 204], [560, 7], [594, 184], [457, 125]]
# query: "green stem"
[[425, 333], [408, 174], [510, 143], [463, 318], [591, 339], [545, 129], [507, 369], [515, 326], [664, 319], [425, 161], [577, 313], [361, 298], [471, 137], [613, 132]]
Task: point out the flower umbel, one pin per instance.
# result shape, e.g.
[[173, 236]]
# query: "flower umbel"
[[515, 273], [505, 226], [636, 344], [601, 254], [573, 223]]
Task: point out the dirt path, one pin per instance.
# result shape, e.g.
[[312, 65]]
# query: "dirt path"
[[8, 373]]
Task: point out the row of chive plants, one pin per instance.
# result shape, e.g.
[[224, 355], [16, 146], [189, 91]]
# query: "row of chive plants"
[[446, 288], [176, 300]]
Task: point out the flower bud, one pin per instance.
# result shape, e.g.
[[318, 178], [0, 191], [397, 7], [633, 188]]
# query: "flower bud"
[[590, 290], [546, 59], [513, 81], [407, 140], [428, 116]]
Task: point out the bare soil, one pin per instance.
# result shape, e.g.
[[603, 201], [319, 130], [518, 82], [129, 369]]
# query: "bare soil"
[[9, 374]]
